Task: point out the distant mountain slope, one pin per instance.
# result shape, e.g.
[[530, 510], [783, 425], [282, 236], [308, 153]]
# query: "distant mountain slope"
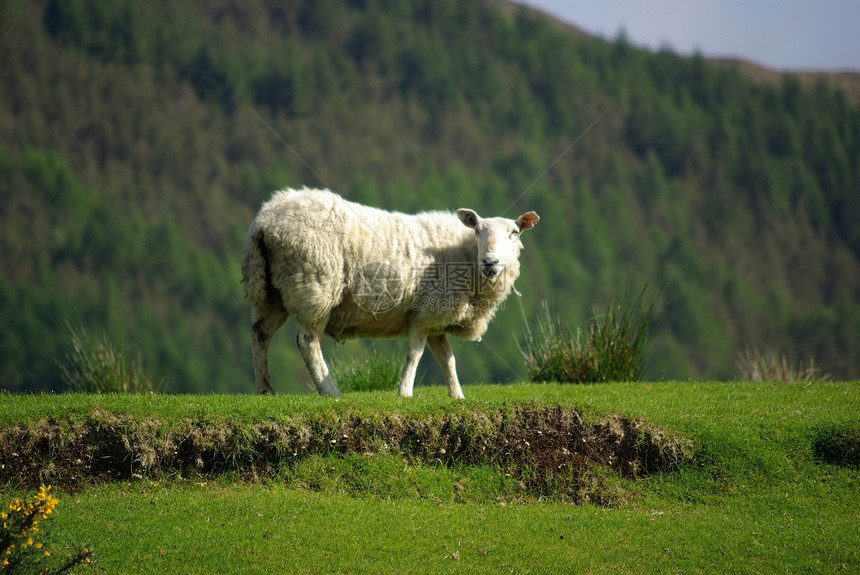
[[137, 140], [846, 82]]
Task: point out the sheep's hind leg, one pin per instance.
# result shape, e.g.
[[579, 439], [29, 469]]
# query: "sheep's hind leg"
[[308, 341], [269, 319], [445, 357], [417, 340]]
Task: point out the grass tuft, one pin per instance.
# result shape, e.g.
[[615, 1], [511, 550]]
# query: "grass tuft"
[[376, 371], [753, 365], [96, 366], [612, 349]]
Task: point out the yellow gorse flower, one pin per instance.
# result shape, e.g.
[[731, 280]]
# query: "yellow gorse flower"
[[48, 500], [19, 536], [21, 523]]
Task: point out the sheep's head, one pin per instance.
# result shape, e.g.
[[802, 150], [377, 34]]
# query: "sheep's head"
[[498, 240]]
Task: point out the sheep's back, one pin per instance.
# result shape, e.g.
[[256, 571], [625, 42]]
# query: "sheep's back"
[[323, 249]]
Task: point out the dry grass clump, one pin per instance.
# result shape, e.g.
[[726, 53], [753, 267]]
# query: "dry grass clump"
[[753, 365]]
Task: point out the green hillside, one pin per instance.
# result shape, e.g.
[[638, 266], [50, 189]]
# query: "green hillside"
[[137, 140]]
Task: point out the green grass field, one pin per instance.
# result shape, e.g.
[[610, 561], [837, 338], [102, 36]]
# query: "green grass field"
[[754, 497]]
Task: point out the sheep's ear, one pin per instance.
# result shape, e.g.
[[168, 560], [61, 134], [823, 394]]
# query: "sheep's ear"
[[469, 217], [527, 221]]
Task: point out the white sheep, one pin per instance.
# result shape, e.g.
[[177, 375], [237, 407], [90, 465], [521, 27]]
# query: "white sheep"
[[350, 270]]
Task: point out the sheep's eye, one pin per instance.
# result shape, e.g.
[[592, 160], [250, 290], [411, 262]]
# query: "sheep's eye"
[[515, 233]]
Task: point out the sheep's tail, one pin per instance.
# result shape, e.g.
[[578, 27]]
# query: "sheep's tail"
[[255, 267]]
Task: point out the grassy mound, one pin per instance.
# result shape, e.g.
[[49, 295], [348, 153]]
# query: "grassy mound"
[[756, 493]]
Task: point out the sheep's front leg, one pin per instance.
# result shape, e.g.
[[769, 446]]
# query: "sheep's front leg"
[[308, 341], [417, 339], [445, 357]]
